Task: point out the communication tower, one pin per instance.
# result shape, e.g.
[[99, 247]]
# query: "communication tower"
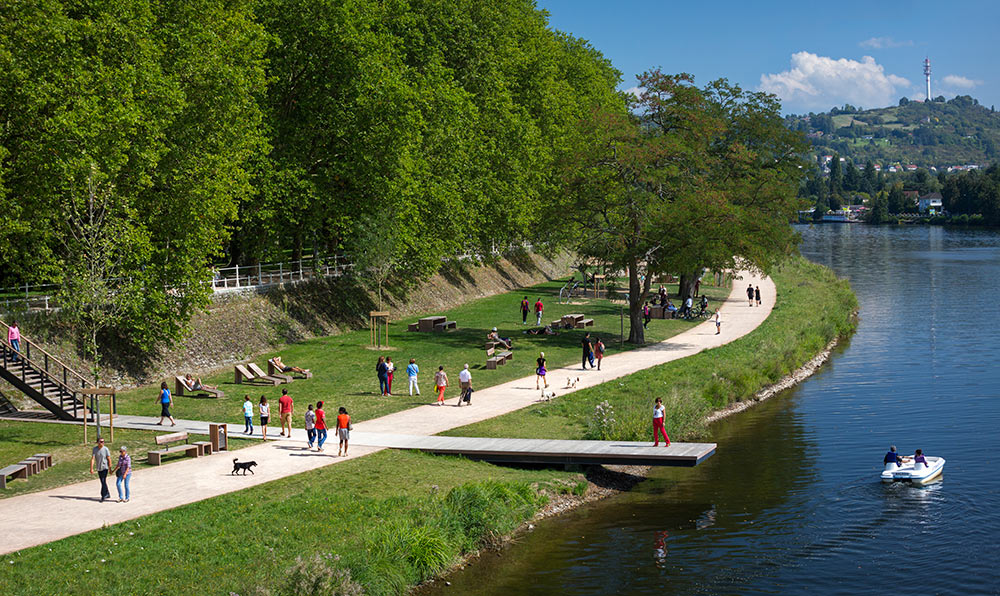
[[927, 76]]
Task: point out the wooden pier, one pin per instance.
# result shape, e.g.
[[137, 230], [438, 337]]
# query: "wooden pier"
[[545, 451]]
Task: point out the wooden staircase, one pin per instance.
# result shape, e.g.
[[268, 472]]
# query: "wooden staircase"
[[43, 378]]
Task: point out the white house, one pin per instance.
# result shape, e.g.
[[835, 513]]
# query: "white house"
[[930, 203]]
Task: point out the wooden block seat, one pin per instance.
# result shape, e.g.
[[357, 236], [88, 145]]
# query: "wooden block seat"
[[40, 461], [204, 447], [190, 449], [493, 359], [14, 471], [427, 324], [445, 326], [584, 323], [491, 345], [413, 327], [180, 387], [47, 457]]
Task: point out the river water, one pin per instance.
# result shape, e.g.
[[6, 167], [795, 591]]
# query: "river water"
[[791, 502]]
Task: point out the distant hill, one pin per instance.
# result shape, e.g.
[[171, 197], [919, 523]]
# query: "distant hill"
[[927, 134]]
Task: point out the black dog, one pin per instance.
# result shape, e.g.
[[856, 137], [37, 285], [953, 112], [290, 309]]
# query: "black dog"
[[245, 466]]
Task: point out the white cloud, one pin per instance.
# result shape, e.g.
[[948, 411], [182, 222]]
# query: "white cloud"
[[879, 43], [820, 82], [960, 82], [636, 91]]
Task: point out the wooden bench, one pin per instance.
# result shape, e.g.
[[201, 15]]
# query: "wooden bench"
[[190, 449], [427, 324], [261, 375], [46, 457], [31, 465], [493, 360], [180, 386], [413, 327], [445, 326], [273, 371], [242, 375], [40, 461], [492, 344], [14, 471], [584, 323]]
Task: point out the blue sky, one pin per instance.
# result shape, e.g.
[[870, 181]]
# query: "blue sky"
[[813, 55]]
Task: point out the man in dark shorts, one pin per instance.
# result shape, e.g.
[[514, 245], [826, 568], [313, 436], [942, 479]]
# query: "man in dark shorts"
[[588, 351], [750, 294]]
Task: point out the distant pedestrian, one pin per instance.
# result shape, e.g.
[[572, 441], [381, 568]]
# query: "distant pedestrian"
[[14, 339], [165, 401], [588, 351], [465, 383], [285, 407], [344, 428], [658, 414], [718, 323], [524, 310], [310, 426], [123, 474], [100, 459], [539, 307], [412, 370], [750, 294], [382, 372], [756, 294], [320, 426], [645, 315], [441, 382], [540, 370], [697, 286], [247, 415], [599, 351], [390, 368], [265, 415]]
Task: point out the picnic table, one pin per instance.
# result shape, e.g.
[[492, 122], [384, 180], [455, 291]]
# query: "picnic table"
[[427, 323]]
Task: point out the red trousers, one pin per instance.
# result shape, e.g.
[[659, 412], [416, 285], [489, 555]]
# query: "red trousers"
[[658, 428]]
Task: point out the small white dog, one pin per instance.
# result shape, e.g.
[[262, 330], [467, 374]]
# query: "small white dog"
[[547, 395], [571, 383]]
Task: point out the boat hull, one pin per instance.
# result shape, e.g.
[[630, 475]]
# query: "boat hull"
[[908, 473]]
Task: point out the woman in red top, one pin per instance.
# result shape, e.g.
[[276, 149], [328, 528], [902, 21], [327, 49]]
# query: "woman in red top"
[[343, 430], [320, 426]]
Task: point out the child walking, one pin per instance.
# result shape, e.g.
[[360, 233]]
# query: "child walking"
[[658, 412], [265, 415], [344, 428], [247, 415]]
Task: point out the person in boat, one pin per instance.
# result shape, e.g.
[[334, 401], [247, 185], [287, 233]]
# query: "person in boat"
[[918, 457], [895, 458]]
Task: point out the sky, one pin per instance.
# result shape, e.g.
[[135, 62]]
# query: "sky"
[[812, 55]]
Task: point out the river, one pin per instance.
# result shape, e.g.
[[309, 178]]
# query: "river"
[[791, 502]]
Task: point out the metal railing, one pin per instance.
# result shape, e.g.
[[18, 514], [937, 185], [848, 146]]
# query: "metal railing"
[[269, 274], [49, 368]]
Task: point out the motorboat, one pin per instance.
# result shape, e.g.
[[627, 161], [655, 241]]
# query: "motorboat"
[[910, 472]]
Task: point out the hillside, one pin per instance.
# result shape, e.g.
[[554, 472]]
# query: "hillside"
[[936, 134]]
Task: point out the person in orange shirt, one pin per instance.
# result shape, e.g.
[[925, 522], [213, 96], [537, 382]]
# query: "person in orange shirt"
[[344, 427]]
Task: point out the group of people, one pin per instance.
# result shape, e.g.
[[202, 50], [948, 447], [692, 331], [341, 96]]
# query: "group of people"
[[525, 309], [315, 421]]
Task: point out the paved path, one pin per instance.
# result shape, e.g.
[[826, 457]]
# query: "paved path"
[[37, 518]]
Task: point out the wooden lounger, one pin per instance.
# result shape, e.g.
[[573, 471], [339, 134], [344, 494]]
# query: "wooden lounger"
[[273, 371], [180, 386], [242, 375], [263, 375]]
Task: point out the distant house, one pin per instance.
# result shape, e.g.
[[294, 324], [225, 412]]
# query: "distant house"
[[930, 203], [892, 169], [911, 168]]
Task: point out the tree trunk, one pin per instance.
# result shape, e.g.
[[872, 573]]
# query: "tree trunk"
[[686, 287]]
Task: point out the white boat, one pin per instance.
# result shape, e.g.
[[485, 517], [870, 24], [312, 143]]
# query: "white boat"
[[910, 472]]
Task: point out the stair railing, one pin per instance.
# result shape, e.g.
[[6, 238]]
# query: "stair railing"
[[31, 353]]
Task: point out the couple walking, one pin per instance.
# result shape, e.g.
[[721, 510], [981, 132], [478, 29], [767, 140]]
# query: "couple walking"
[[100, 463], [464, 381], [316, 429], [753, 294]]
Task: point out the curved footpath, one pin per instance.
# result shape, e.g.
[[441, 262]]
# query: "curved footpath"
[[38, 518]]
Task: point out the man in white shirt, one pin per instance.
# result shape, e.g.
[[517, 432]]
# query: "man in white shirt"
[[465, 382], [687, 306]]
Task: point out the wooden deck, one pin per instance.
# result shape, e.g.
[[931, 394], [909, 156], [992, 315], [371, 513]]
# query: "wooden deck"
[[545, 451]]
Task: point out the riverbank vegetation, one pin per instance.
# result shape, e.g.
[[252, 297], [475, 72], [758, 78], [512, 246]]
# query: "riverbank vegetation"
[[812, 308]]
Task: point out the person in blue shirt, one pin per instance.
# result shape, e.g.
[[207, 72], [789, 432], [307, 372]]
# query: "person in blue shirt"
[[412, 370], [165, 401]]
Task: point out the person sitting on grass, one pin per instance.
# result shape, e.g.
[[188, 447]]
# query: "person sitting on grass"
[[504, 341], [547, 330], [281, 366], [195, 384]]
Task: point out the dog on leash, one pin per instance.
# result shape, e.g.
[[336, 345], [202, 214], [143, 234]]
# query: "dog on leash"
[[571, 383], [547, 395], [245, 466]]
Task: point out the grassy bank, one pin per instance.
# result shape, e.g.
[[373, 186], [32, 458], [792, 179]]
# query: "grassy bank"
[[70, 457], [812, 308], [344, 366], [383, 523]]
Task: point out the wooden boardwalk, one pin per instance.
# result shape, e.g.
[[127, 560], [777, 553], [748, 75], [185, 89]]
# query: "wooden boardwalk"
[[545, 451]]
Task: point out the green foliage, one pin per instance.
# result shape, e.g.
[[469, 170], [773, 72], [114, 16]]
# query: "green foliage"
[[878, 209], [974, 193]]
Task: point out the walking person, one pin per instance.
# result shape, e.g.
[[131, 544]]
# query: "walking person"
[[285, 407], [165, 401], [310, 426], [390, 368], [750, 294], [540, 370], [265, 416], [441, 382], [14, 339], [599, 351], [344, 428], [465, 383], [645, 315], [756, 295], [658, 413], [382, 372], [100, 459], [588, 351], [123, 474], [524, 311], [247, 415], [320, 426], [412, 370], [539, 307]]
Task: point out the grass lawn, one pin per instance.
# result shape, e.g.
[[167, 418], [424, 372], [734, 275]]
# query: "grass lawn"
[[344, 367], [393, 518], [812, 308], [70, 457]]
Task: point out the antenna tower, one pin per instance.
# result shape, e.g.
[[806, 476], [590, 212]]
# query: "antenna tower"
[[927, 76]]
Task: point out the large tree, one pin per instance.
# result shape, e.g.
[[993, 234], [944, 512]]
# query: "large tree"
[[681, 179]]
